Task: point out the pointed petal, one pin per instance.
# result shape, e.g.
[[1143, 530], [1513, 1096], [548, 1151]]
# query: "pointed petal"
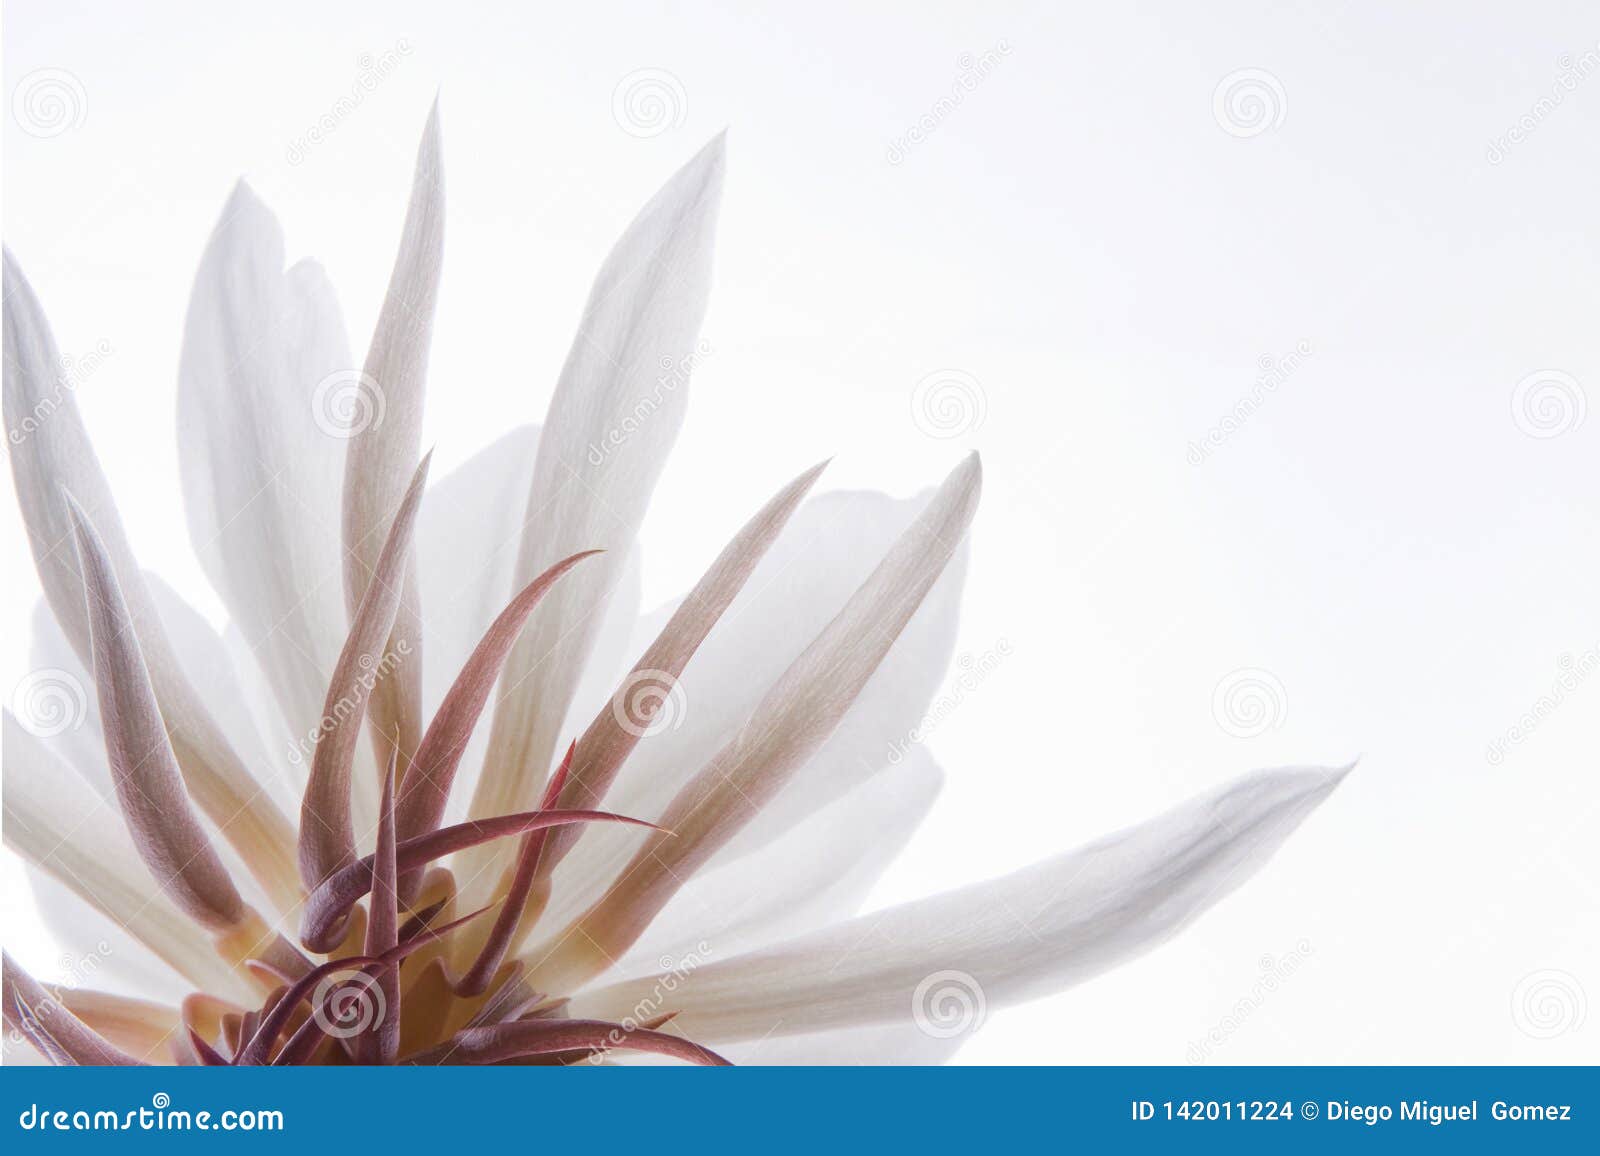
[[624, 720], [612, 421], [260, 459], [794, 718], [144, 768], [378, 465], [427, 783], [1027, 934], [829, 548], [327, 833], [35, 1015], [466, 549], [55, 821], [56, 454], [814, 876]]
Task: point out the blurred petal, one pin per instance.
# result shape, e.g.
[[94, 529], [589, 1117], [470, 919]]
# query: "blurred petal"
[[1027, 934]]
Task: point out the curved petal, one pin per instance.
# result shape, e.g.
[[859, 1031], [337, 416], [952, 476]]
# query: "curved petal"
[[796, 715], [813, 876], [56, 822], [1027, 934], [613, 419], [56, 455], [379, 465], [260, 459], [827, 551]]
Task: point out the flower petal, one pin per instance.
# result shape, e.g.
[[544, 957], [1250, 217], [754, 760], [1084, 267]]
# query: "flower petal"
[[261, 463], [622, 722], [814, 876], [1027, 934], [829, 548], [794, 719], [379, 463], [144, 768], [643, 313], [56, 453], [327, 832], [55, 821]]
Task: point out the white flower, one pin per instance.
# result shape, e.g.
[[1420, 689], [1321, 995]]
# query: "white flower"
[[755, 741]]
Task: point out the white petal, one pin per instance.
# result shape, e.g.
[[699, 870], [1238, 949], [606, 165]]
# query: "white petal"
[[827, 551], [263, 350], [467, 541], [815, 875], [383, 455], [56, 455], [56, 822], [902, 1044], [613, 419], [792, 720], [1038, 930]]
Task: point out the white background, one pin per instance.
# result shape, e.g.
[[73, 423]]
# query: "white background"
[[1085, 238]]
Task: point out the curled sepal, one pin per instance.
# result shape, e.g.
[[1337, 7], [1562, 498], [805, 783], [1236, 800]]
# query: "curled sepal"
[[322, 920]]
